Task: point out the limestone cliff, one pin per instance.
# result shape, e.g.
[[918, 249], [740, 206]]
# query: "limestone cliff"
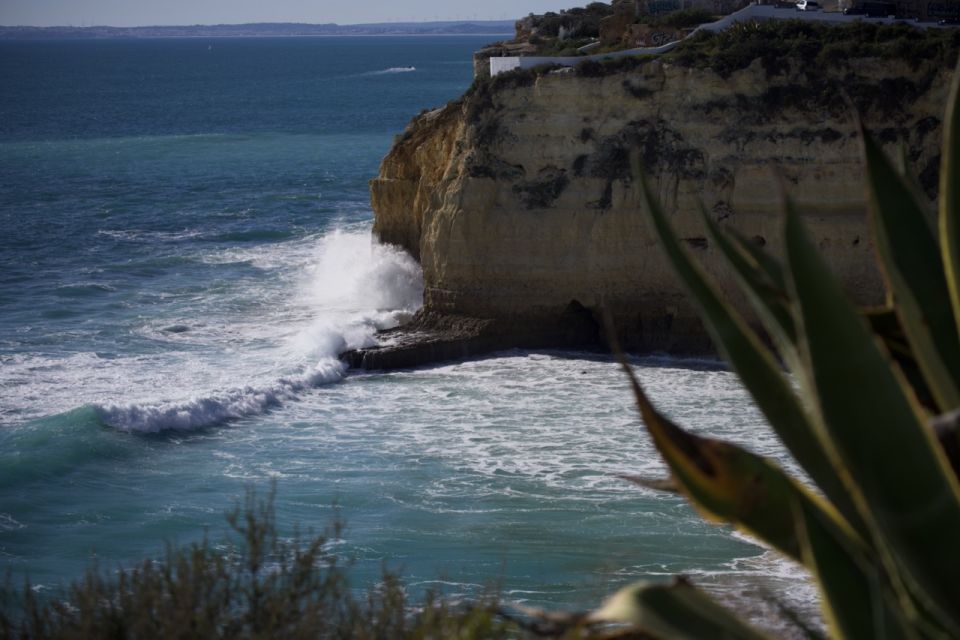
[[519, 202]]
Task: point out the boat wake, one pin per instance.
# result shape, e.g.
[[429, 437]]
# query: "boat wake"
[[393, 70]]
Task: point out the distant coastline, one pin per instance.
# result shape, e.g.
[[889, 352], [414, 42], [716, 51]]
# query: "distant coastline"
[[254, 30]]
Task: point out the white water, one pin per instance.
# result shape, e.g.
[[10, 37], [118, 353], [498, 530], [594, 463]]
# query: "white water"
[[322, 296], [219, 407], [511, 457]]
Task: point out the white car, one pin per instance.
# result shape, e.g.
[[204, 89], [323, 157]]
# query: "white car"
[[807, 5]]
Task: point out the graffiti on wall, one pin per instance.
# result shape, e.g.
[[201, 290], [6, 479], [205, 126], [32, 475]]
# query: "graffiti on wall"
[[659, 38]]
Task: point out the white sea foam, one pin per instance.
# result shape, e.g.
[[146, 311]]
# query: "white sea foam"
[[541, 439], [8, 523], [350, 272], [238, 350], [140, 235], [216, 408]]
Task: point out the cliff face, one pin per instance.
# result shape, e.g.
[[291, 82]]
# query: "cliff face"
[[519, 203]]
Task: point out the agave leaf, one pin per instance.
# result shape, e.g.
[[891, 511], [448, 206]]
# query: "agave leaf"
[[947, 429], [767, 295], [765, 261], [886, 326], [730, 484], [736, 486], [677, 610], [898, 473], [857, 600], [753, 363], [911, 180], [797, 619], [667, 485], [915, 276], [949, 219]]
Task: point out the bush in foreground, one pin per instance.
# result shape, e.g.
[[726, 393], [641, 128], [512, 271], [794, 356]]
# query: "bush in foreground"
[[259, 587]]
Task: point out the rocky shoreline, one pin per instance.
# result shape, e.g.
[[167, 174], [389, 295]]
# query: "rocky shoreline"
[[431, 338]]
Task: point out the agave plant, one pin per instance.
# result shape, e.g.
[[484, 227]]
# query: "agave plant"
[[870, 413]]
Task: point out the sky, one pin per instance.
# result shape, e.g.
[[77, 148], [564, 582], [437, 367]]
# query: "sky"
[[126, 13]]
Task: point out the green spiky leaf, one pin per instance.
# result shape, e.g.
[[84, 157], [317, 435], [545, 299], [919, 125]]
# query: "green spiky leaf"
[[767, 294], [898, 472], [949, 219], [730, 484], [886, 326], [857, 600], [915, 276], [772, 268], [753, 363]]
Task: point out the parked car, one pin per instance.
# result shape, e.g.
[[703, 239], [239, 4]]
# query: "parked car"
[[807, 5], [949, 21], [854, 11]]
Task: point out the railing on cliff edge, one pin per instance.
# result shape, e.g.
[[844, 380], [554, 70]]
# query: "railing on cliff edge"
[[750, 12]]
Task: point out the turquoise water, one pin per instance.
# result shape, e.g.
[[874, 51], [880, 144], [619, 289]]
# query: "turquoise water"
[[186, 247]]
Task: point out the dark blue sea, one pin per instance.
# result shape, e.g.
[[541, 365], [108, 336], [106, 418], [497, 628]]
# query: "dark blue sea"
[[184, 248]]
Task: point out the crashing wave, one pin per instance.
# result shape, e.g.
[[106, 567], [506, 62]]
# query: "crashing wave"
[[214, 409], [351, 287]]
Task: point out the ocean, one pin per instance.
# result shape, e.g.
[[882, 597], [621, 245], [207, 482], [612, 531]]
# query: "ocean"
[[186, 247]]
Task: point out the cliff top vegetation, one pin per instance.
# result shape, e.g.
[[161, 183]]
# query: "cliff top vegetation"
[[776, 43], [823, 45], [567, 32], [677, 23]]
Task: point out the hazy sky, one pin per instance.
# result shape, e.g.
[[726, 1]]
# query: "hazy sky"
[[179, 12]]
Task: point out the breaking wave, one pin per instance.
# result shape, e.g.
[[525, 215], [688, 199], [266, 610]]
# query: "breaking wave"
[[343, 288], [216, 408]]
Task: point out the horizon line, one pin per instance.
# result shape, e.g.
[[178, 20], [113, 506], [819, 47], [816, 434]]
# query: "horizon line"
[[244, 24]]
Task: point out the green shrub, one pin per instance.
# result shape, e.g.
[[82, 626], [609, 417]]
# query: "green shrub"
[[778, 42], [774, 41], [261, 586], [683, 19], [577, 23], [567, 47]]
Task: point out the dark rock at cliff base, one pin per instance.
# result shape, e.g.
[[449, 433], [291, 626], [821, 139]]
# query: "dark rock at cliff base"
[[431, 338]]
